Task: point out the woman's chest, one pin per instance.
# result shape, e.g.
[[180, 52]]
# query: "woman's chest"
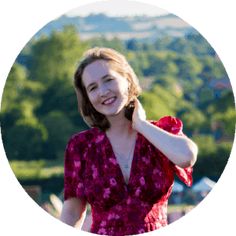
[[108, 181]]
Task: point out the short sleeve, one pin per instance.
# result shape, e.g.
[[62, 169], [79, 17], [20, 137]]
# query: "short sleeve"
[[184, 174], [73, 170], [175, 126], [170, 124]]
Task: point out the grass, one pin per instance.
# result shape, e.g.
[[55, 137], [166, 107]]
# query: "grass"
[[25, 170], [179, 207]]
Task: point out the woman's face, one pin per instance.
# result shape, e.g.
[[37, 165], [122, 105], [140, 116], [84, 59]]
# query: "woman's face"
[[107, 90]]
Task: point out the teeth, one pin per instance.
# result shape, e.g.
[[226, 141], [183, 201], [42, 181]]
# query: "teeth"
[[108, 101]]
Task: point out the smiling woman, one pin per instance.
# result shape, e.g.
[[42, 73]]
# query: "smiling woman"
[[123, 166]]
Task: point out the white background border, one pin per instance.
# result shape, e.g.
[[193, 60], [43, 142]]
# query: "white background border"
[[20, 20]]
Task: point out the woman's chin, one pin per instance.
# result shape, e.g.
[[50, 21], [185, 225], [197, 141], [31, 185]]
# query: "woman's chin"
[[114, 113]]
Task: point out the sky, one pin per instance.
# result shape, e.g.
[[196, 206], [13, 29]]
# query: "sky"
[[118, 8]]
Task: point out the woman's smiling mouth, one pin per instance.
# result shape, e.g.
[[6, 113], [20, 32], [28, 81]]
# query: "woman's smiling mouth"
[[109, 101]]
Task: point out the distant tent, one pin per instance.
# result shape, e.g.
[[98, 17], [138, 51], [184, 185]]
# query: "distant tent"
[[203, 185], [177, 188]]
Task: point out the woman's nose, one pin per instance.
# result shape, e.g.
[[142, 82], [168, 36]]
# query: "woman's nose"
[[104, 90]]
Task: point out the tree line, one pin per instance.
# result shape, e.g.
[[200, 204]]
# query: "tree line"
[[182, 77]]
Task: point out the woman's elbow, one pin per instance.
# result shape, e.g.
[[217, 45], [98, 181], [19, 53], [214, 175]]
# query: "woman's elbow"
[[73, 211], [190, 157], [194, 153]]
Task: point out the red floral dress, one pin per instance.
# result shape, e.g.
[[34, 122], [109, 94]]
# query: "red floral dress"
[[93, 173]]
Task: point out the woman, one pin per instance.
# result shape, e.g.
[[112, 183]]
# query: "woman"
[[124, 165]]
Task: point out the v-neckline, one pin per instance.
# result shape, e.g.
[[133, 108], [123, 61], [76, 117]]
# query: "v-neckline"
[[132, 162]]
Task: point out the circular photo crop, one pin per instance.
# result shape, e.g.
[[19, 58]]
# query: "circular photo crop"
[[70, 142]]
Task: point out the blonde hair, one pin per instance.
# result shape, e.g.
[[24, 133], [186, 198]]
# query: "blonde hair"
[[118, 63]]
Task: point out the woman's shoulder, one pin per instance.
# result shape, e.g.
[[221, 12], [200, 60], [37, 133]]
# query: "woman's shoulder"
[[84, 137]]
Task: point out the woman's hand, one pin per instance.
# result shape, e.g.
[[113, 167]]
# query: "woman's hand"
[[139, 115]]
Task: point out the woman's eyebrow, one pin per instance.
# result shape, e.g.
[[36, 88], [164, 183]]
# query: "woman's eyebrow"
[[105, 76]]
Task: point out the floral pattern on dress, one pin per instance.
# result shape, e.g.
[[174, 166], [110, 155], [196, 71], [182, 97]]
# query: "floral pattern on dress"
[[93, 173]]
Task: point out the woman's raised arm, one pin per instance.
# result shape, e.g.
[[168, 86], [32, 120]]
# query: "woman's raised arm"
[[179, 149]]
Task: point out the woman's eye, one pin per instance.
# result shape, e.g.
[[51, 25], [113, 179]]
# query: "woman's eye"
[[109, 79], [93, 88]]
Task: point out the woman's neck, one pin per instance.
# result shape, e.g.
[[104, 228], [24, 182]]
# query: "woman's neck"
[[120, 126]]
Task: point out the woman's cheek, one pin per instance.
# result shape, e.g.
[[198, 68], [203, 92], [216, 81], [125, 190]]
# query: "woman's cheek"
[[92, 99]]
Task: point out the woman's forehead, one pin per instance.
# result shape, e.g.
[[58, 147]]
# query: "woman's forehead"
[[95, 69]]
